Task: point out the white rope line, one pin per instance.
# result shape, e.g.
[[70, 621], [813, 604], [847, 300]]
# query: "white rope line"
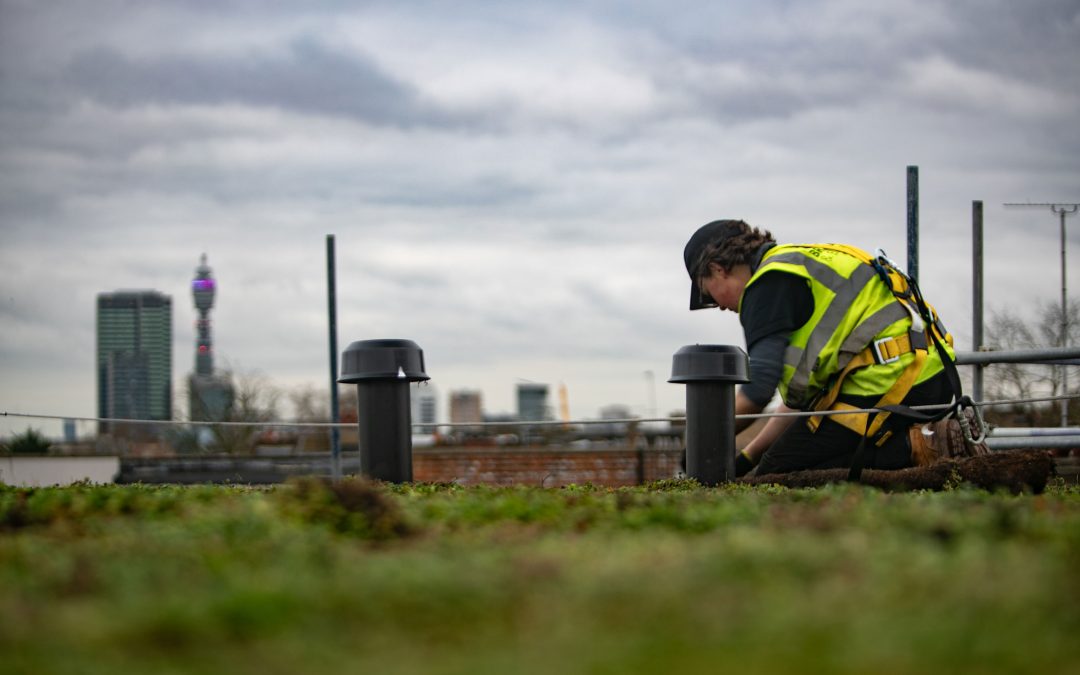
[[535, 423]]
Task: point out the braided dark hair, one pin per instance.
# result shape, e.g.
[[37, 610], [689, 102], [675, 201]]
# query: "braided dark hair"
[[737, 248]]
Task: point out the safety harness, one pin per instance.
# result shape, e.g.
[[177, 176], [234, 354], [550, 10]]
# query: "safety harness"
[[926, 329]]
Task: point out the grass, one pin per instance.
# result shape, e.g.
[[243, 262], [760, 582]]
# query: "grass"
[[670, 577]]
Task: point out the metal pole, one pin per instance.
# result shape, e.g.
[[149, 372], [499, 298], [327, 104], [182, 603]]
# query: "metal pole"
[[335, 413], [1062, 442], [1064, 322], [1053, 355], [977, 293], [1032, 432], [913, 222]]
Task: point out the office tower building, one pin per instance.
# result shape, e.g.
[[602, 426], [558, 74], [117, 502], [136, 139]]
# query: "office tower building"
[[532, 402], [424, 408], [134, 359], [466, 407]]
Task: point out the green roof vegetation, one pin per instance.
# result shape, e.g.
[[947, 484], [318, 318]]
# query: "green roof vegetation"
[[671, 577]]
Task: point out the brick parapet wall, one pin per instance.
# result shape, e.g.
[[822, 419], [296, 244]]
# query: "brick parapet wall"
[[544, 466]]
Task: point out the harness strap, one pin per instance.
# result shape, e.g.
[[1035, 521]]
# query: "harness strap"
[[870, 423], [885, 350], [858, 460], [859, 422], [937, 334]]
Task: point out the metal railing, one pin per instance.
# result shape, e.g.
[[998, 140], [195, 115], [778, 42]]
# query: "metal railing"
[[1003, 438]]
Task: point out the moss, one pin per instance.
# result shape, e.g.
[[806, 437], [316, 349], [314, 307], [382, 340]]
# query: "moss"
[[367, 576]]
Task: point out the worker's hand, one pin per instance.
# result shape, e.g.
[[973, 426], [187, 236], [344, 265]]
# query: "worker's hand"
[[743, 464]]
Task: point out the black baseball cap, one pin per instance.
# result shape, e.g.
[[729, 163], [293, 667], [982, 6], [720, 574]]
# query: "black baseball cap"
[[694, 255]]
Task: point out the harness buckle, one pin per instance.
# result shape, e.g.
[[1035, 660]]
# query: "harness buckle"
[[889, 354]]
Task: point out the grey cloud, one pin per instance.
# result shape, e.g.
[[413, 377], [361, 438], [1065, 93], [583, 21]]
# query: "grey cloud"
[[755, 102], [795, 58], [484, 191], [308, 79], [1023, 40], [772, 77]]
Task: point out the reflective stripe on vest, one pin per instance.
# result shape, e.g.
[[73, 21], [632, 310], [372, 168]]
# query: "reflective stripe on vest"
[[852, 308]]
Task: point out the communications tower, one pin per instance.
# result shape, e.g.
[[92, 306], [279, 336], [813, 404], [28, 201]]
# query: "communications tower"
[[210, 396], [202, 290]]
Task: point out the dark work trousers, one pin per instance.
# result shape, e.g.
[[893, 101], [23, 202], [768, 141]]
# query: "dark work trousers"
[[833, 445]]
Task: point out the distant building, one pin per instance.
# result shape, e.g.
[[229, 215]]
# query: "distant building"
[[210, 396], [614, 411], [532, 402], [466, 407], [424, 407], [134, 358]]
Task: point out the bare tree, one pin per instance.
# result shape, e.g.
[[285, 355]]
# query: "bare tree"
[[255, 400], [347, 402], [1050, 324], [310, 404], [1008, 330]]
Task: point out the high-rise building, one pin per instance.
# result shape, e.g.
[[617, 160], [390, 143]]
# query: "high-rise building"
[[466, 407], [424, 407], [532, 402], [134, 358], [209, 395]]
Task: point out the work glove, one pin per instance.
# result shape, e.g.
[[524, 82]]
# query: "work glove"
[[743, 464]]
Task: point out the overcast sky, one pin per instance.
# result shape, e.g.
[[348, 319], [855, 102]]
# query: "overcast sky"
[[510, 184]]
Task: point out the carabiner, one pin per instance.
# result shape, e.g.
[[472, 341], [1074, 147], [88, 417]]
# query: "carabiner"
[[965, 424]]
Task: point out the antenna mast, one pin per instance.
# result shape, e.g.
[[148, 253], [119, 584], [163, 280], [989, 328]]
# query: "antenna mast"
[[1061, 209]]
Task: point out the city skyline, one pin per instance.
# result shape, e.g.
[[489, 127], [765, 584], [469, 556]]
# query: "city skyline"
[[531, 398], [510, 186]]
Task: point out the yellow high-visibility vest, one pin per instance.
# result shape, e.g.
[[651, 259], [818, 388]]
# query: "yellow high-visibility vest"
[[854, 311]]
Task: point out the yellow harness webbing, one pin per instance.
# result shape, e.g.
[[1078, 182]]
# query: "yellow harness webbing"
[[880, 351]]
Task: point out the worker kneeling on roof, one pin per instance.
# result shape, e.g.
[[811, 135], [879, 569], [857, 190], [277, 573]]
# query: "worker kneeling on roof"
[[832, 328]]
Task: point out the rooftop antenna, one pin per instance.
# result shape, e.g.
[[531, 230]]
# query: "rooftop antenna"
[[1062, 209]]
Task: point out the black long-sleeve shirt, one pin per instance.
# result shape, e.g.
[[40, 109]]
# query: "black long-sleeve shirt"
[[774, 307]]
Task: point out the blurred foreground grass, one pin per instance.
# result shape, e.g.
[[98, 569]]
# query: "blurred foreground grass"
[[441, 579]]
